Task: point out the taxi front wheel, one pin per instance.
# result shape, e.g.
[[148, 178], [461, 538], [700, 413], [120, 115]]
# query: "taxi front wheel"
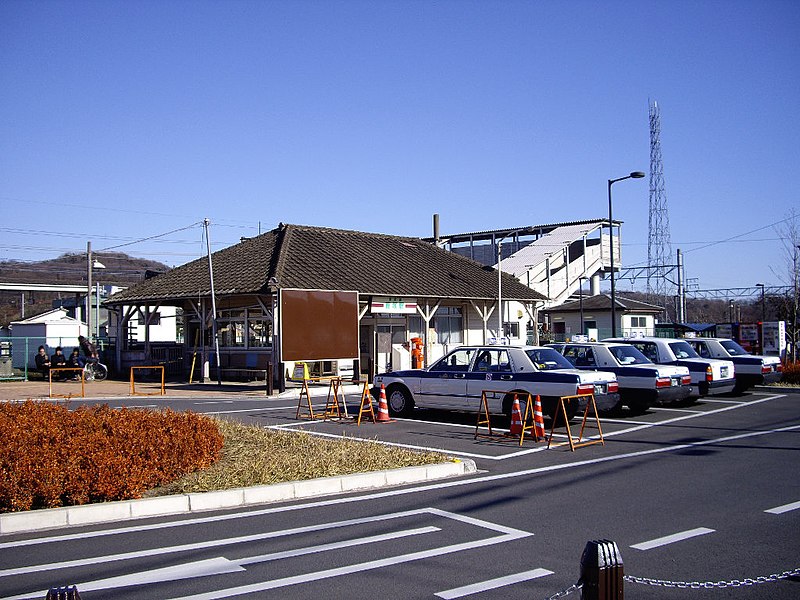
[[400, 402]]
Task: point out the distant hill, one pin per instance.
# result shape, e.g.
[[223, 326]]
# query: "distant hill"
[[120, 269]]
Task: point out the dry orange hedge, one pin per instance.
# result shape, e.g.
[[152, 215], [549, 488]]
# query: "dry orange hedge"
[[51, 456], [791, 372]]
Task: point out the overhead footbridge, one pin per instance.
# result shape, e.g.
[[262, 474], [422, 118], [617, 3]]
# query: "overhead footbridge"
[[552, 259]]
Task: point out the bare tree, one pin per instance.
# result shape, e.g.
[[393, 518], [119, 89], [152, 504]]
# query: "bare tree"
[[789, 232]]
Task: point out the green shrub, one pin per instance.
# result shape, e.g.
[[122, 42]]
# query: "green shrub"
[[51, 456]]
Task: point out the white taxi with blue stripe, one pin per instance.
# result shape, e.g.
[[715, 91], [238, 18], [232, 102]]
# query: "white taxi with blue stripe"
[[458, 380]]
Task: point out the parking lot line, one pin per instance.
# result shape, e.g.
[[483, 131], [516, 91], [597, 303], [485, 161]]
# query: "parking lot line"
[[493, 584], [723, 401], [779, 510], [679, 410], [671, 539]]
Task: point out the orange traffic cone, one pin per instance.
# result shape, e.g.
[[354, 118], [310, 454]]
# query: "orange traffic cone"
[[516, 418], [538, 419], [383, 408]]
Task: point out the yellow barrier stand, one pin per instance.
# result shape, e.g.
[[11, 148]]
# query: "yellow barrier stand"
[[366, 404], [83, 382], [561, 411], [160, 392]]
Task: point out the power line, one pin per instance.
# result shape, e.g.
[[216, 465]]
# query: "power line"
[[152, 237]]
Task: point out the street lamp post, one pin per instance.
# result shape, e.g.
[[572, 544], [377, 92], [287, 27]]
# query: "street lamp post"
[[633, 175], [763, 316], [91, 264], [580, 295]]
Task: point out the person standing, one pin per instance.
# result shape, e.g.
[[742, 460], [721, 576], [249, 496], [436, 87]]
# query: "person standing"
[[89, 349]]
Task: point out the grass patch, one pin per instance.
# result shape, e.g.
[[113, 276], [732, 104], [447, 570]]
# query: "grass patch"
[[253, 455]]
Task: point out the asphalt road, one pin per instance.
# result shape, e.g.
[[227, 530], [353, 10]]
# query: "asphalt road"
[[704, 493]]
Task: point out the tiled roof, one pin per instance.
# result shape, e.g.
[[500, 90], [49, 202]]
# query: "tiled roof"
[[603, 302], [319, 258]]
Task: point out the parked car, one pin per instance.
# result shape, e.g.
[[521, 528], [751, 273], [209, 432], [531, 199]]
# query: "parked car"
[[642, 383], [457, 381], [751, 369], [710, 376]]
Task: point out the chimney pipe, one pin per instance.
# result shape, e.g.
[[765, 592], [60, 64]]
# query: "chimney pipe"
[[436, 228]]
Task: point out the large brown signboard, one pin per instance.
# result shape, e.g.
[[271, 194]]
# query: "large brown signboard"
[[318, 325]]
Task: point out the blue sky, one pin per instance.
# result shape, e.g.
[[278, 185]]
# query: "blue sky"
[[126, 120]]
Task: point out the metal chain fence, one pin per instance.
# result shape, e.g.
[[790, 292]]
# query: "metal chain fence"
[[697, 585], [573, 588], [692, 585]]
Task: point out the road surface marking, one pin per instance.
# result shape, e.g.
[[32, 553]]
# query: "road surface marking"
[[214, 402], [244, 410], [199, 545], [779, 510], [507, 535], [221, 565], [671, 539], [493, 584]]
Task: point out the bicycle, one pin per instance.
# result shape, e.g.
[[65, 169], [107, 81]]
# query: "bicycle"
[[94, 370]]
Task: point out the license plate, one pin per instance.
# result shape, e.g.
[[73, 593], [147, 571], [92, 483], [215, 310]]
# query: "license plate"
[[723, 371], [675, 382], [598, 389]]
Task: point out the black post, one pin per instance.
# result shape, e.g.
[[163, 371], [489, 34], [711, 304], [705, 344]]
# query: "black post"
[[602, 572]]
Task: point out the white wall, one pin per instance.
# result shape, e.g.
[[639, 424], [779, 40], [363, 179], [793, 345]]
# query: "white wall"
[[165, 331]]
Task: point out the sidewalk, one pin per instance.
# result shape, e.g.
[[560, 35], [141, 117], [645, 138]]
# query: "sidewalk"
[[38, 389]]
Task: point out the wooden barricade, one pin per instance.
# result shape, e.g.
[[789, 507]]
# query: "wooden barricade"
[[561, 412], [162, 389], [83, 382], [366, 404], [484, 418], [333, 408]]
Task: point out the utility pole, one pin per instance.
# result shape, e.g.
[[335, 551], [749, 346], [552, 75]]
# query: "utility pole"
[[89, 289], [213, 302], [681, 290]]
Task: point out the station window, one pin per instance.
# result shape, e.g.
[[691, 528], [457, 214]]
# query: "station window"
[[448, 322]]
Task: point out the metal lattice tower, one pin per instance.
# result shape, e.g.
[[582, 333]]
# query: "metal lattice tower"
[[659, 246]]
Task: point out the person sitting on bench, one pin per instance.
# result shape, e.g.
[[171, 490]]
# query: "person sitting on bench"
[[43, 362], [59, 360]]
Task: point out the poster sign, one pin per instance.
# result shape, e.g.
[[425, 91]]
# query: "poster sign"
[[748, 332], [391, 305], [775, 337]]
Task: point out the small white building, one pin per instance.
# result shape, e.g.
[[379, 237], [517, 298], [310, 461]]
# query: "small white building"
[[634, 318], [51, 329]]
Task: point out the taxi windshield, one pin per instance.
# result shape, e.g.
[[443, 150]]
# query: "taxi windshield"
[[683, 350], [733, 348], [548, 359], [628, 355]]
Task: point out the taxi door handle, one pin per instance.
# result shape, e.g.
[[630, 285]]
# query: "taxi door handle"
[[459, 376], [506, 377]]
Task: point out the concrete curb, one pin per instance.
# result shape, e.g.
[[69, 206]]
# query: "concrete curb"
[[36, 520], [777, 389]]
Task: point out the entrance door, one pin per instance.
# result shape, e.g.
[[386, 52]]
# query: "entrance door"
[[387, 335]]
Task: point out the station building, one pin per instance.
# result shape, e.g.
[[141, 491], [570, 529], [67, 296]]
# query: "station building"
[[404, 288]]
